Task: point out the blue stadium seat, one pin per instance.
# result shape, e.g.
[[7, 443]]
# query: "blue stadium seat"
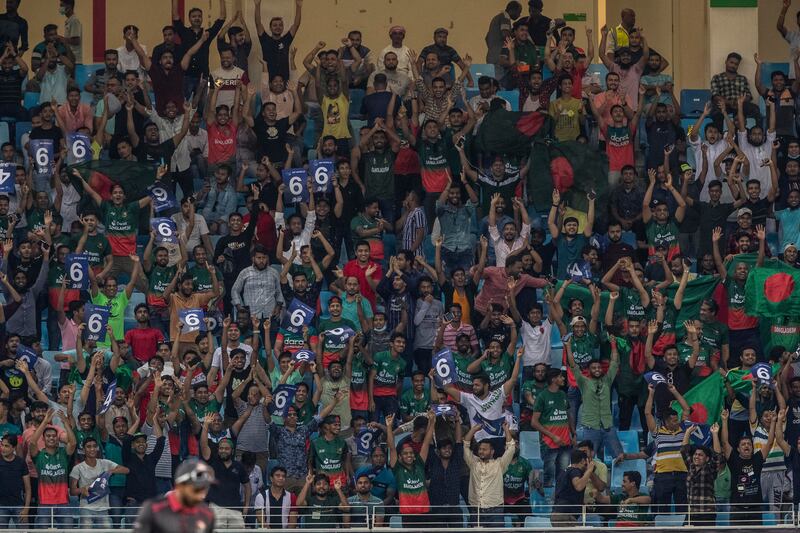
[[21, 129], [83, 72], [601, 71], [5, 135], [309, 135], [529, 445], [396, 522], [537, 522], [478, 70], [629, 440], [687, 123], [768, 68], [618, 469], [693, 101], [356, 97], [30, 100], [512, 97], [669, 520], [324, 298], [86, 97]]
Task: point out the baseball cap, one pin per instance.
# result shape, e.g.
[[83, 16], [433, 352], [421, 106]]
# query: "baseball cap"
[[686, 167], [138, 435], [441, 30], [744, 211], [790, 245], [195, 472], [577, 320]]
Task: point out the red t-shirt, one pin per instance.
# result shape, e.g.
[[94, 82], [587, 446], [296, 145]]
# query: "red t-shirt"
[[143, 342], [352, 268], [221, 143], [265, 234]]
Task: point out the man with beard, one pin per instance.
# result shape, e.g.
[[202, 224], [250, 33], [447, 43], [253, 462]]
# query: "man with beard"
[[232, 253], [782, 95], [168, 80], [197, 41], [363, 503], [501, 283], [397, 81], [229, 78], [486, 475], [455, 246], [232, 478], [25, 320], [446, 469], [511, 239], [613, 96], [322, 506], [185, 297], [329, 455], [378, 177], [140, 483], [616, 248], [726, 89], [756, 146], [258, 287], [83, 475], [630, 72], [789, 219]]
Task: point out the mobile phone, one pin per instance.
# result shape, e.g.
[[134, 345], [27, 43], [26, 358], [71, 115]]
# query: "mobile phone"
[[460, 142], [44, 245], [448, 317]]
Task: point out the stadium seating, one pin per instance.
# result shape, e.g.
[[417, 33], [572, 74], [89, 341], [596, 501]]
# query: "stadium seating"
[[618, 469], [601, 70], [768, 68], [478, 70], [693, 101], [512, 97]]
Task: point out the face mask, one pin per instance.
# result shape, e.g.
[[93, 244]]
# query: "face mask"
[[380, 329]]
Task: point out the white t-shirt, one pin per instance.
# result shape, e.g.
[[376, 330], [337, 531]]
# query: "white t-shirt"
[[490, 408], [86, 475], [793, 38], [536, 343], [231, 79], [128, 60], [216, 361], [713, 152], [756, 154], [200, 229]]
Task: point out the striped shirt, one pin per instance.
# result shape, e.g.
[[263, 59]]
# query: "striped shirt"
[[775, 458], [416, 219], [450, 334], [668, 451], [254, 435]]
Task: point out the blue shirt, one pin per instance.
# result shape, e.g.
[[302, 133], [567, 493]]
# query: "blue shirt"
[[790, 225]]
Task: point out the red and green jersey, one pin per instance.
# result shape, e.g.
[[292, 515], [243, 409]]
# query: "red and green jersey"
[[412, 406], [737, 318], [782, 331], [96, 249], [294, 342], [553, 408], [662, 234], [328, 455], [714, 335], [516, 475], [122, 223], [159, 279], [411, 491], [331, 350], [387, 373], [54, 278], [53, 470], [435, 167]]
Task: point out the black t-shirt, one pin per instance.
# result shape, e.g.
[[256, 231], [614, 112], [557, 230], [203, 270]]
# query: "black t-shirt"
[[199, 62], [11, 86], [680, 376], [53, 134], [276, 53], [501, 333], [567, 498], [226, 491], [746, 478], [271, 139], [236, 379], [156, 154], [375, 105], [11, 474]]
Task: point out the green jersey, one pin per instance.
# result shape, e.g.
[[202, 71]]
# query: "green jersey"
[[514, 479], [584, 349], [358, 377], [553, 407], [53, 470], [714, 335], [201, 278], [96, 249], [463, 377], [412, 406], [412, 493], [379, 173], [534, 388], [387, 373], [122, 223], [630, 512], [662, 234], [35, 219], [631, 303], [201, 410], [328, 455], [499, 371]]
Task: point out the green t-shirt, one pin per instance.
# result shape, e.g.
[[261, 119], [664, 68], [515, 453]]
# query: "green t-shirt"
[[379, 173], [358, 377], [302, 269], [631, 512], [553, 407], [158, 279], [201, 278], [35, 218], [666, 234], [96, 249], [411, 406], [714, 335], [328, 456], [514, 479], [463, 377], [584, 349], [122, 223], [200, 410], [500, 371], [387, 372], [364, 223], [6, 428], [534, 388], [631, 303], [411, 490], [116, 317]]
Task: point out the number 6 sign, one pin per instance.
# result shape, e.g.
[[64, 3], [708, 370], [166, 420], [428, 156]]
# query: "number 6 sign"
[[283, 398], [762, 372], [296, 186], [298, 315], [192, 320], [166, 230], [445, 367], [96, 322], [322, 170], [42, 152], [80, 148], [77, 271]]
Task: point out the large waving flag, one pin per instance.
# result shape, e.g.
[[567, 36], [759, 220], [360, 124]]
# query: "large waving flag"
[[134, 177], [706, 400], [773, 290]]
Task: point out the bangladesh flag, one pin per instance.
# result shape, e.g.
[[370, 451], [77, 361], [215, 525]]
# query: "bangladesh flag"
[[134, 177], [741, 381], [706, 400], [772, 290]]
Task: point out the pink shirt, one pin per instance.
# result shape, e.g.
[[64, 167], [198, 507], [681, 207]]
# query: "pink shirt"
[[81, 118], [629, 82], [495, 288], [69, 333]]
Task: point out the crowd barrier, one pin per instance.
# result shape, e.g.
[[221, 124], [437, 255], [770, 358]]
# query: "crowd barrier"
[[776, 518]]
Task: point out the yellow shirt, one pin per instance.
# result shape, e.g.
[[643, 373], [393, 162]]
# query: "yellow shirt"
[[334, 113]]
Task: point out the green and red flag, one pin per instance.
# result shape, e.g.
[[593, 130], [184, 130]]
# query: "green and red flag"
[[773, 290], [134, 177], [706, 400]]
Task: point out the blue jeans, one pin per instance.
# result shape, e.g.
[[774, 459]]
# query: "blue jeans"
[[7, 514], [95, 519], [556, 460], [116, 501], [574, 399], [48, 516], [163, 485], [493, 517], [385, 405], [600, 438], [452, 260]]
